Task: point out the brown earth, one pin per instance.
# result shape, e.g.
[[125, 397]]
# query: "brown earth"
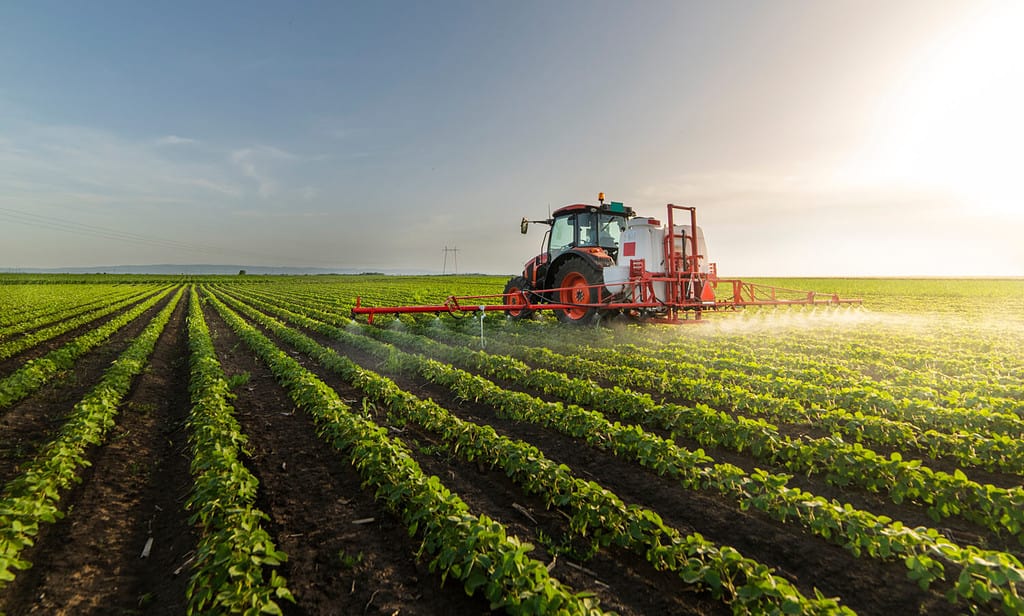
[[90, 561], [27, 424]]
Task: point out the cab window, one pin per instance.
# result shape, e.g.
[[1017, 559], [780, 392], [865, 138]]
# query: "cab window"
[[562, 233], [585, 223], [609, 230]]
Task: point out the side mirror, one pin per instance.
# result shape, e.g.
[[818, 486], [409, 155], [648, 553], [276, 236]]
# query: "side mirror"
[[524, 225]]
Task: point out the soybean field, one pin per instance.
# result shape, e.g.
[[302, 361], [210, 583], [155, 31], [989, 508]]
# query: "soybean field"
[[241, 444]]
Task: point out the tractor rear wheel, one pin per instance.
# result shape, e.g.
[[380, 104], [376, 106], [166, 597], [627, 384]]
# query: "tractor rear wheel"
[[576, 280], [513, 288]]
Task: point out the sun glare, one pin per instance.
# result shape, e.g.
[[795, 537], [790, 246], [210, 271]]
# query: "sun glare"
[[956, 124]]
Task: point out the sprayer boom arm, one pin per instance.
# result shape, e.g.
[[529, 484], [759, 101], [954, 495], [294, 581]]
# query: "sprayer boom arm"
[[643, 299]]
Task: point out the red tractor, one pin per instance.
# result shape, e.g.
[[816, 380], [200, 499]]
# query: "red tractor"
[[600, 260], [582, 241], [590, 254]]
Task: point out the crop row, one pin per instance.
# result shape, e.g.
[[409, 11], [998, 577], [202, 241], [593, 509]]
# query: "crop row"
[[33, 497], [12, 347], [821, 388], [68, 309], [969, 388], [810, 382], [473, 549], [35, 373], [920, 341], [20, 302], [986, 358], [992, 452], [931, 360], [903, 363], [236, 560], [842, 463], [985, 574], [747, 585]]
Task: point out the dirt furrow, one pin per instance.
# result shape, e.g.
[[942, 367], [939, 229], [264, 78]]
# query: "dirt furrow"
[[806, 560], [29, 423], [14, 362], [91, 561], [955, 527], [624, 582], [346, 555]]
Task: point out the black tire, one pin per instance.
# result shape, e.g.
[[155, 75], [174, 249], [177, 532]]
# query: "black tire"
[[515, 285], [577, 275]]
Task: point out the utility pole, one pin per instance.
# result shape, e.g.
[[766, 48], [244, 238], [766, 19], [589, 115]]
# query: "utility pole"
[[455, 257]]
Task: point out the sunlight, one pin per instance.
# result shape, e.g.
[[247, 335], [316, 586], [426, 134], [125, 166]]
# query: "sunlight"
[[956, 125]]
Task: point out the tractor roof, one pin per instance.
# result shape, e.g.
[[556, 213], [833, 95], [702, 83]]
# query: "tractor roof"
[[607, 208]]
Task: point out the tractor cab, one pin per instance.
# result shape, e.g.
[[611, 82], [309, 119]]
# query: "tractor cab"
[[588, 232], [586, 226], [582, 240]]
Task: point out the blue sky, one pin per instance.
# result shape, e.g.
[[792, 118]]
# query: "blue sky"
[[839, 138]]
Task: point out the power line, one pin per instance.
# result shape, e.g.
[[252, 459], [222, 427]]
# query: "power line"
[[79, 228], [46, 222]]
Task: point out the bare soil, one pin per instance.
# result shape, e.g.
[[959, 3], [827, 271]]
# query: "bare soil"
[[28, 424], [90, 562]]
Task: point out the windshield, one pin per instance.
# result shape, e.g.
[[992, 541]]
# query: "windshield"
[[609, 230], [594, 229]]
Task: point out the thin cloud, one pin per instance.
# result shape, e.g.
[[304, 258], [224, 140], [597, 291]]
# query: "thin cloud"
[[60, 163], [176, 140], [266, 151], [229, 190], [244, 160], [289, 214], [254, 161], [339, 133]]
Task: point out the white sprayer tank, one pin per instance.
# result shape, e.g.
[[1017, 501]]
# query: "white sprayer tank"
[[644, 238]]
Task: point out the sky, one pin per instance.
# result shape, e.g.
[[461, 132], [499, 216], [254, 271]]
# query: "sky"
[[840, 138]]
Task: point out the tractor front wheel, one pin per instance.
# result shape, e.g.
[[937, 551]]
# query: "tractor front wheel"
[[515, 290], [576, 281]]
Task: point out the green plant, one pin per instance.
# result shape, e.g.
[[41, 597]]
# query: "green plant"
[[236, 560], [33, 498], [349, 561]]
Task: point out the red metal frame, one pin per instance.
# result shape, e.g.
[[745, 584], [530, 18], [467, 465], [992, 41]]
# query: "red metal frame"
[[688, 291]]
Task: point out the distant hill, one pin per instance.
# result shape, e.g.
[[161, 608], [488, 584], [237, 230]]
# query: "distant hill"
[[207, 269]]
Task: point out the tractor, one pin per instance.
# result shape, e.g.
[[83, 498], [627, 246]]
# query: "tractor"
[[604, 260], [588, 253]]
